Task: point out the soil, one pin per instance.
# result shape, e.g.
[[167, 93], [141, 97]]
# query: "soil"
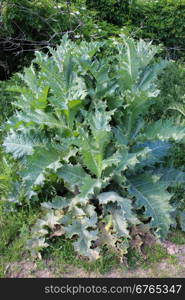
[[162, 269]]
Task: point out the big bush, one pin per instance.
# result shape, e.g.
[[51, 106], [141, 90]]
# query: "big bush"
[[80, 123]]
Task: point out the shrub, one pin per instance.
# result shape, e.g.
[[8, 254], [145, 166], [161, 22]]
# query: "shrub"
[[170, 102], [81, 119], [8, 167], [113, 11], [29, 25], [161, 21], [7, 97]]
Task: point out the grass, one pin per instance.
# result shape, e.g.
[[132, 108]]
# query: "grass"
[[177, 237], [156, 253], [61, 251], [151, 255], [14, 228], [63, 254]]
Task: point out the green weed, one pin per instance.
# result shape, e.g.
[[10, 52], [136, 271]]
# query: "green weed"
[[15, 230]]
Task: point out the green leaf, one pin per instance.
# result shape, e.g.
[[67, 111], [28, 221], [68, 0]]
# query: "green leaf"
[[111, 160], [35, 165], [92, 157], [70, 113], [89, 187], [37, 244], [119, 221], [59, 73], [40, 117], [81, 228], [93, 146], [164, 130], [121, 211], [100, 118], [72, 174], [149, 75], [131, 62], [153, 152], [76, 176], [58, 202], [122, 203], [50, 220], [170, 176], [30, 78], [129, 160], [136, 58], [121, 138], [68, 69], [21, 144], [100, 73], [153, 196]]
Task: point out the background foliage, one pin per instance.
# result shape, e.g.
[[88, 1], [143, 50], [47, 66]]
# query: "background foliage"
[[161, 21]]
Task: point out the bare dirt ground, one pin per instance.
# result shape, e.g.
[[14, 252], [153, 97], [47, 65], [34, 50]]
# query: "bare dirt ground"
[[162, 269]]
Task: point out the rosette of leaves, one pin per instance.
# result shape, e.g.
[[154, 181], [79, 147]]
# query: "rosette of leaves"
[[82, 117]]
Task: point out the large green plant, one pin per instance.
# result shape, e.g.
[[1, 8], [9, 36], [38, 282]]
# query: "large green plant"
[[82, 118]]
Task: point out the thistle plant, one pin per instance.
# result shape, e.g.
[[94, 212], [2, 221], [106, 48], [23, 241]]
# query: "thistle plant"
[[82, 117]]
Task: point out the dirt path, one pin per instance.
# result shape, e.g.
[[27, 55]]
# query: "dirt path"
[[162, 269]]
